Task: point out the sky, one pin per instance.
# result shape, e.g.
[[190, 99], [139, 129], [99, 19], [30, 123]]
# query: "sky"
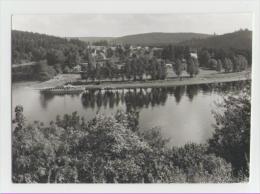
[[115, 25]]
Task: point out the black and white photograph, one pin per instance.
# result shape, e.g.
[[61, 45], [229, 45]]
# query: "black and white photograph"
[[131, 98]]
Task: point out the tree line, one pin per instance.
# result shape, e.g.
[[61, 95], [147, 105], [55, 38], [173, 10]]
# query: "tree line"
[[152, 64], [132, 68], [139, 66], [229, 60], [221, 60]]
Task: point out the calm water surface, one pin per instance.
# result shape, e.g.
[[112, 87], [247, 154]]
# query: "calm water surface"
[[184, 113]]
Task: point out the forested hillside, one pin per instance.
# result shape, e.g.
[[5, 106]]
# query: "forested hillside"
[[29, 46], [158, 38], [148, 39], [51, 55], [241, 39]]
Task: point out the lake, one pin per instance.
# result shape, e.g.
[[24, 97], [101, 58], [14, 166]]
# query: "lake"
[[184, 113]]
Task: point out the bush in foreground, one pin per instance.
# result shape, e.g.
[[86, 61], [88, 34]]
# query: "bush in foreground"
[[107, 149], [231, 139]]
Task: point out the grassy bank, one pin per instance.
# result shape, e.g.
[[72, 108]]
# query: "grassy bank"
[[174, 82]]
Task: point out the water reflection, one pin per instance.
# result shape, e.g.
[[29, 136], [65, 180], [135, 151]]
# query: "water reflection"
[[191, 91], [131, 98], [178, 93], [46, 98], [151, 97], [138, 98]]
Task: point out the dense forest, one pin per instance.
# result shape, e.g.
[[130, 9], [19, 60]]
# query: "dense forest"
[[52, 54], [226, 45], [112, 149], [241, 39], [158, 38], [29, 46]]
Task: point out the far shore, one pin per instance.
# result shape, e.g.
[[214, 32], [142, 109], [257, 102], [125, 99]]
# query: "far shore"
[[205, 78], [174, 82]]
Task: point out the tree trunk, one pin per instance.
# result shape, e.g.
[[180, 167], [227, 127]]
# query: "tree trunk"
[[56, 176], [49, 176]]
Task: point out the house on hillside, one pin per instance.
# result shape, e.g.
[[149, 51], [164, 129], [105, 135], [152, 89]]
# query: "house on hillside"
[[100, 56], [147, 48], [113, 48], [120, 65], [76, 69], [193, 53], [156, 51], [98, 48], [168, 65]]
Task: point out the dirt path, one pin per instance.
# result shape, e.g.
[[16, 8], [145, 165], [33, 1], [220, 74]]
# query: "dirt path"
[[212, 78]]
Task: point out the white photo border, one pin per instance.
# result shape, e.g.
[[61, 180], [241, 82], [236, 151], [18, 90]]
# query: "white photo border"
[[9, 8]]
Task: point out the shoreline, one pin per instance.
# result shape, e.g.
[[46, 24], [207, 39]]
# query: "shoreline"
[[200, 79], [205, 79], [165, 83]]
